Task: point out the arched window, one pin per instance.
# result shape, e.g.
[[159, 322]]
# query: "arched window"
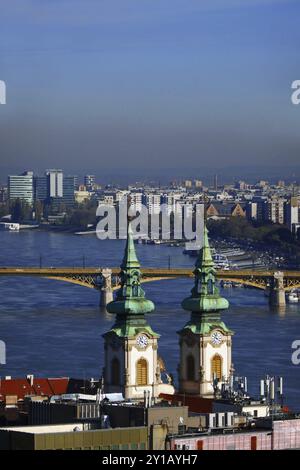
[[115, 371], [141, 372], [216, 367], [190, 368]]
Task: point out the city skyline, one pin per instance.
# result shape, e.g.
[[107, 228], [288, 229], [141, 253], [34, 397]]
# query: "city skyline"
[[127, 177]]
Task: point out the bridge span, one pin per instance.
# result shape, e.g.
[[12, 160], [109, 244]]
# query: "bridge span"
[[106, 279]]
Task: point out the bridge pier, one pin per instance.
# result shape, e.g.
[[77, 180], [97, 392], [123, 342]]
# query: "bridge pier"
[[277, 292], [106, 292]]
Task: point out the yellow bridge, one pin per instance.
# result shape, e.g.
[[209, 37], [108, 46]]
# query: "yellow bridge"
[[99, 278]]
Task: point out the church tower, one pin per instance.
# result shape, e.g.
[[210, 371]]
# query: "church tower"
[[131, 362], [205, 341]]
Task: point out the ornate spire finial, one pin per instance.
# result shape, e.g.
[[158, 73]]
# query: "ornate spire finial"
[[205, 294], [130, 259], [205, 204], [130, 298]]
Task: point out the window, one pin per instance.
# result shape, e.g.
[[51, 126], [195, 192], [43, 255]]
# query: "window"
[[216, 367], [115, 371], [141, 372], [190, 368], [253, 442], [210, 287], [135, 290], [199, 445]]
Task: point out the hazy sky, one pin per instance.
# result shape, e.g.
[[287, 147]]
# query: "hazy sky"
[[154, 87]]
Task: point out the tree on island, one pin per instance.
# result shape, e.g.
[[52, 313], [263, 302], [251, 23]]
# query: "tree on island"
[[20, 211]]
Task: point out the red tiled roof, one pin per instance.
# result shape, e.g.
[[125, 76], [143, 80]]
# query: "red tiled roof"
[[59, 386], [22, 387], [18, 387]]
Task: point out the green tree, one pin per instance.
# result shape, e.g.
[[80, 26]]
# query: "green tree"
[[4, 209], [39, 210], [20, 211]]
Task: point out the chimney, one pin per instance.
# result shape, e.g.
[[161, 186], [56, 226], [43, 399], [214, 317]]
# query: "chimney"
[[30, 379]]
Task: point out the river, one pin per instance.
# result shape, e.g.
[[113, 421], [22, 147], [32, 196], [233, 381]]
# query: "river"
[[52, 328]]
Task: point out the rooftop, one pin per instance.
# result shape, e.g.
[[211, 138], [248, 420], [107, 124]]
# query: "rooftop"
[[49, 428]]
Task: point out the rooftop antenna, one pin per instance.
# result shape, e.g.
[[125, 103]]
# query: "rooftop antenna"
[[271, 390]]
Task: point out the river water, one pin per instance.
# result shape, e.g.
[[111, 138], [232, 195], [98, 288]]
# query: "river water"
[[53, 328]]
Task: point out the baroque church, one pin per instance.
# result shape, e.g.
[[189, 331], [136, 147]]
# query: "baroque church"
[[132, 363]]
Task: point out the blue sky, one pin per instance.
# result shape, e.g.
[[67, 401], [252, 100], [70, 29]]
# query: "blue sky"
[[154, 87]]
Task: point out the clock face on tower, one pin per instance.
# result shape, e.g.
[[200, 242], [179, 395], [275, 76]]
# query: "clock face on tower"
[[216, 338], [142, 341]]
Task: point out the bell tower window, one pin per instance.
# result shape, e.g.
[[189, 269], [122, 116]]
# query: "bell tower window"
[[216, 367], [141, 372]]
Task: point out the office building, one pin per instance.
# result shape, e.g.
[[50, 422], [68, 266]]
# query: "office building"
[[152, 202], [137, 200], [55, 183], [292, 209], [41, 188], [21, 187], [274, 210], [69, 186], [54, 188]]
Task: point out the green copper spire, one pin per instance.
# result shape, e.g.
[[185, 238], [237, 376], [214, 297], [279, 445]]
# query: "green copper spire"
[[205, 303], [130, 259], [130, 298], [205, 295]]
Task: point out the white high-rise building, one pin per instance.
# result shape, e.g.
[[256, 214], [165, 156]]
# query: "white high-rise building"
[[153, 202], [292, 214], [137, 201], [21, 187], [55, 183]]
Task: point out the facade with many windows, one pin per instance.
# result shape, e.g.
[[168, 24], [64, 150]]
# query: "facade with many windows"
[[21, 187]]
